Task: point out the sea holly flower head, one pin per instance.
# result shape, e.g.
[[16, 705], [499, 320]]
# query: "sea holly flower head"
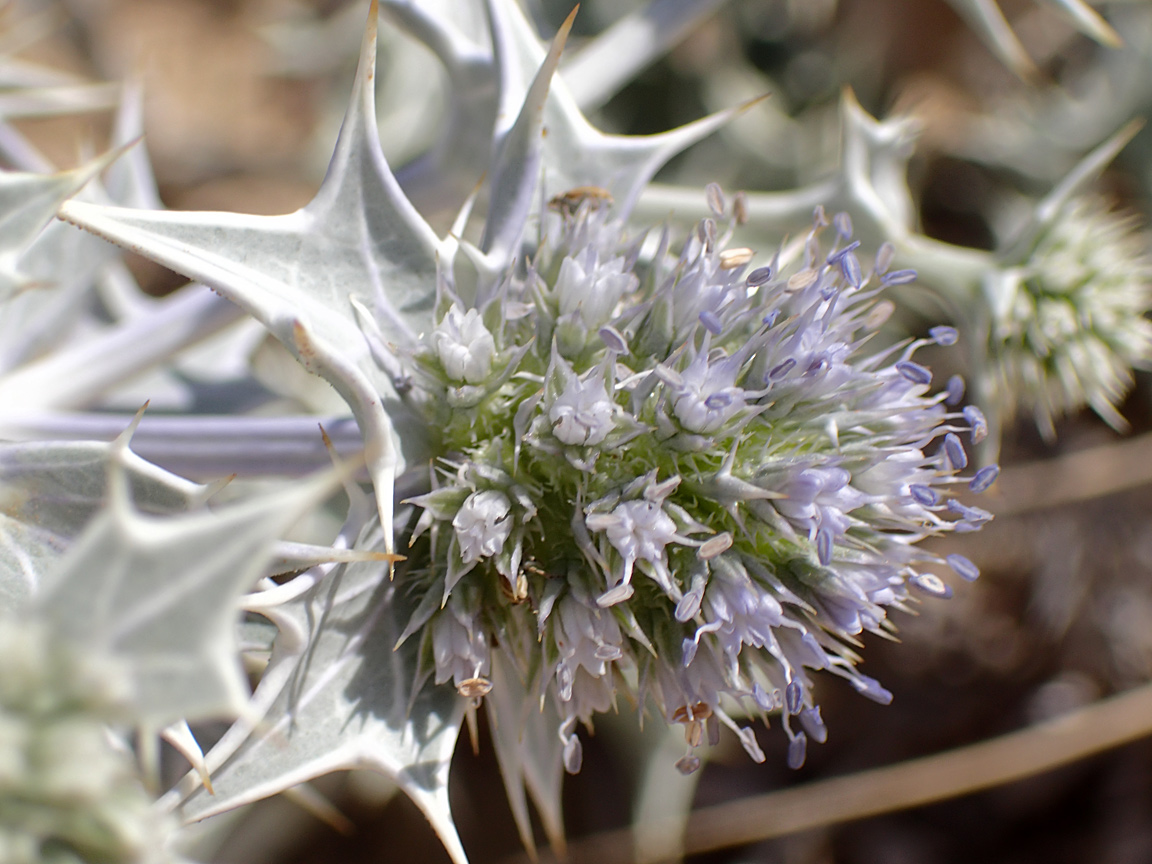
[[712, 485], [63, 783], [1070, 323]]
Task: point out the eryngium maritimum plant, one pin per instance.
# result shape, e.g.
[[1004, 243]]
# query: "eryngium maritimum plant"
[[688, 479], [682, 478]]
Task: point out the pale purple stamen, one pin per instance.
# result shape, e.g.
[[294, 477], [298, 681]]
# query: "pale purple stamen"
[[850, 267], [872, 689], [977, 423], [963, 568], [839, 254], [813, 724], [797, 751], [971, 514], [984, 478], [613, 339], [944, 335], [762, 698], [954, 450], [925, 495], [955, 390], [914, 372], [932, 585], [759, 276], [711, 322], [688, 651], [793, 697], [842, 222], [898, 277], [782, 369], [824, 546], [688, 765]]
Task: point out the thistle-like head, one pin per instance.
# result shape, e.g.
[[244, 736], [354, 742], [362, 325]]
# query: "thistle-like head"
[[683, 471]]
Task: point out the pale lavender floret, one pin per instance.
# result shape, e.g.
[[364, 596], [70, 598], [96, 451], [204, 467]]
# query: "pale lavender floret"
[[738, 611], [954, 450], [954, 390], [582, 413], [944, 335], [586, 638], [914, 372], [639, 530], [589, 289], [819, 498], [460, 646], [482, 525], [465, 347], [984, 478], [963, 567], [708, 398], [976, 422]]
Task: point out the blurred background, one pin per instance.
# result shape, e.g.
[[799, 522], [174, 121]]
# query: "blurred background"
[[241, 105]]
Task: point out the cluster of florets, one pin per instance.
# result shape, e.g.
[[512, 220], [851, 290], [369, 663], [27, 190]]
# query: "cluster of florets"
[[680, 476], [66, 793], [1069, 326]]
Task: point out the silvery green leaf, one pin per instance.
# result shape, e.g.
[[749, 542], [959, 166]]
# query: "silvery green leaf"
[[870, 184], [490, 86], [1074, 183], [50, 491], [441, 178], [27, 204], [575, 152], [605, 63], [987, 19], [529, 752], [337, 695], [359, 240], [161, 595], [53, 101], [205, 447], [516, 168]]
